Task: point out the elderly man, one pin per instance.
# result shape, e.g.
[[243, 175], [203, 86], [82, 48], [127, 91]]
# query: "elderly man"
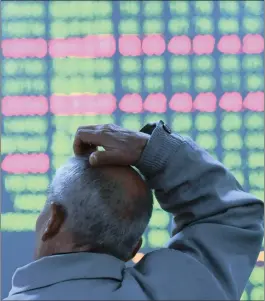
[[98, 208]]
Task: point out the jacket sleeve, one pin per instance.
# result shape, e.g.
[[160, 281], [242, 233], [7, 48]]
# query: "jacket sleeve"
[[215, 221]]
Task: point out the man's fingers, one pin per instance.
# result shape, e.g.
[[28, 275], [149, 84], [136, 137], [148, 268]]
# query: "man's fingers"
[[81, 148], [84, 143], [98, 127], [99, 158], [88, 127], [86, 138]]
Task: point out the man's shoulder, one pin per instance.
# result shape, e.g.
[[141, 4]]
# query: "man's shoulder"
[[166, 262]]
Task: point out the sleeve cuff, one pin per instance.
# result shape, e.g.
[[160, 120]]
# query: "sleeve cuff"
[[158, 150]]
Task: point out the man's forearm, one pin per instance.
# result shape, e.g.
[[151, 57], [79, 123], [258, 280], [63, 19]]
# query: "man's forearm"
[[215, 220]]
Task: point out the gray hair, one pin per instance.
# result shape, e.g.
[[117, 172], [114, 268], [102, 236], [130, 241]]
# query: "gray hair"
[[100, 212]]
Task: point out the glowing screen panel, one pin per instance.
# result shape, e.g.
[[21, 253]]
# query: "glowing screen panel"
[[198, 65]]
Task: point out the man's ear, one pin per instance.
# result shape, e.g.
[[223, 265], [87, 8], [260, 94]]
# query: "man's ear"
[[137, 248], [55, 222]]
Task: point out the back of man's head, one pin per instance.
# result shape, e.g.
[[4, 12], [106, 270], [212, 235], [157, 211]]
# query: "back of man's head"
[[107, 208]]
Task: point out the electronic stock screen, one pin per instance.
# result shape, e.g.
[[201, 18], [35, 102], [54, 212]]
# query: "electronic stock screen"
[[198, 65]]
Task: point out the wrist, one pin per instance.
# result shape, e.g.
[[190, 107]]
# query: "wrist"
[[159, 148]]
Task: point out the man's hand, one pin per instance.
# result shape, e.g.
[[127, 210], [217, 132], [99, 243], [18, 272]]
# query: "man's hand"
[[122, 147]]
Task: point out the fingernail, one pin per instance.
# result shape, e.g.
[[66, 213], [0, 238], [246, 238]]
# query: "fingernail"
[[92, 159]]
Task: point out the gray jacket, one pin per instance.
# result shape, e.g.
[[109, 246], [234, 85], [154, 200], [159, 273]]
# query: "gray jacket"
[[216, 239]]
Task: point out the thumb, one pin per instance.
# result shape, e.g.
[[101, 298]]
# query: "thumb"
[[105, 158]]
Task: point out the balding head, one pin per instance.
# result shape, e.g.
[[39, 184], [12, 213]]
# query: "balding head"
[[106, 209]]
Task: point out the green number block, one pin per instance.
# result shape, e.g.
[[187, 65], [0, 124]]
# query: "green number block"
[[157, 238], [103, 27], [131, 122], [205, 122], [58, 161], [21, 183], [213, 154], [254, 121], [131, 84], [61, 85], [26, 86], [129, 7], [254, 140], [207, 141], [252, 63], [203, 63], [61, 144], [204, 83], [75, 84], [130, 65], [156, 205], [257, 276], [256, 160], [61, 123], [229, 63], [154, 84], [245, 296], [59, 29], [23, 144], [80, 9], [179, 64], [179, 26], [152, 8], [19, 29], [253, 7], [203, 7], [81, 28], [154, 65], [25, 125], [229, 7], [59, 9], [258, 193], [75, 28], [257, 293], [25, 67], [129, 26], [231, 82], [80, 66], [256, 179], [181, 83], [30, 202], [159, 219], [66, 66], [98, 119], [231, 141], [102, 9], [153, 26], [70, 124], [232, 159], [15, 9], [106, 85], [181, 122], [231, 122], [238, 174], [18, 222], [252, 25], [254, 82], [204, 25], [143, 246], [102, 66], [228, 26], [179, 7], [150, 118]]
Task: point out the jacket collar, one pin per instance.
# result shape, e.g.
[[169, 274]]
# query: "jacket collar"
[[57, 268]]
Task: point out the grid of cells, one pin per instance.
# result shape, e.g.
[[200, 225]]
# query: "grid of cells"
[[198, 65]]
